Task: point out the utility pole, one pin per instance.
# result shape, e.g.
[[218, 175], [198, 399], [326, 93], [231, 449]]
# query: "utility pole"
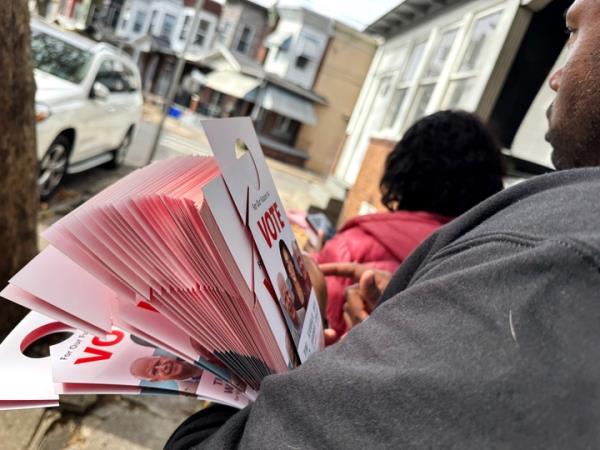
[[175, 80]]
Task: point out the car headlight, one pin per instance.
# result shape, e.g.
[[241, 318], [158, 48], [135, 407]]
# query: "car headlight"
[[42, 112]]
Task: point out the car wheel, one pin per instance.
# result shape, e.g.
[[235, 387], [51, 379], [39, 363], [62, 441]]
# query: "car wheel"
[[120, 153], [53, 167]]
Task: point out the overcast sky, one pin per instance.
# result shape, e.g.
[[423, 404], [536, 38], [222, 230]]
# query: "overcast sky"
[[358, 13]]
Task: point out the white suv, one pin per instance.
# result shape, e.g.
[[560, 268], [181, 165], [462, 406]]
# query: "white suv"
[[88, 104]]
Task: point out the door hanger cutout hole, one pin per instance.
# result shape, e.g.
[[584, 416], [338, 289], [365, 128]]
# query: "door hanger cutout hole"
[[38, 342], [242, 149]]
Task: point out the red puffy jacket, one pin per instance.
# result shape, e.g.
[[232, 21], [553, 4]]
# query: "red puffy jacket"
[[381, 240]]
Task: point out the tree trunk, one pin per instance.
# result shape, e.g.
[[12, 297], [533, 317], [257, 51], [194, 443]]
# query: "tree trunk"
[[18, 160]]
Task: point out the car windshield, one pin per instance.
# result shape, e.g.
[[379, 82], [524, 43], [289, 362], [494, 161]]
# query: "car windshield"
[[59, 58]]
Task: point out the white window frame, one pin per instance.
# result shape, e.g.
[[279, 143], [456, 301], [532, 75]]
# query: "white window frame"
[[173, 27], [410, 84], [204, 33], [478, 73]]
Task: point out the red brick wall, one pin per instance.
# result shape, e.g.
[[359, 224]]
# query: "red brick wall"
[[366, 187]]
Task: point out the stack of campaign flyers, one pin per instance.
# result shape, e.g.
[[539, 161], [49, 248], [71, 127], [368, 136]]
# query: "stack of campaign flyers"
[[182, 278]]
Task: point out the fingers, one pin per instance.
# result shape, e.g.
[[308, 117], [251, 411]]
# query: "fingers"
[[331, 336], [348, 270], [355, 308], [369, 290], [382, 279]]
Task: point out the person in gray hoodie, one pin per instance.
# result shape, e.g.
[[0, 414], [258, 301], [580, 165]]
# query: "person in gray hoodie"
[[488, 336]]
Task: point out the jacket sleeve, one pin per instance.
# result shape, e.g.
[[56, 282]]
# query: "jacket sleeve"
[[474, 353]]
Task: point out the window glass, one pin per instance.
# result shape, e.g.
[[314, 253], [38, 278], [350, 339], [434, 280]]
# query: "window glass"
[[125, 21], [153, 18], [245, 40], [185, 28], [224, 30], [440, 53], [483, 29], [56, 57], [130, 79], [420, 102], [384, 87], [202, 32], [116, 77], [458, 92], [302, 62], [138, 24], [168, 25], [394, 108], [413, 61]]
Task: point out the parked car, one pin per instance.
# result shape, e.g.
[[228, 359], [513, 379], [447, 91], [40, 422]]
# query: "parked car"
[[88, 104]]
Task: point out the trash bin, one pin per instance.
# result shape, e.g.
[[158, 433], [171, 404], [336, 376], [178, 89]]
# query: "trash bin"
[[175, 112]]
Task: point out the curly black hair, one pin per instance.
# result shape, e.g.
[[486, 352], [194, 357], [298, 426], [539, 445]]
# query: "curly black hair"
[[445, 163]]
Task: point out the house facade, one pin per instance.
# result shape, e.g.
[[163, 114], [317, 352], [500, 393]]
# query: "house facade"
[[490, 57], [243, 27], [340, 78], [156, 32], [302, 95]]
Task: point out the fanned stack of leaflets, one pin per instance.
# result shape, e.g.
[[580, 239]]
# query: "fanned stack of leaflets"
[[182, 278]]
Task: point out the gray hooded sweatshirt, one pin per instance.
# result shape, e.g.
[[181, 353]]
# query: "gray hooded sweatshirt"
[[488, 336]]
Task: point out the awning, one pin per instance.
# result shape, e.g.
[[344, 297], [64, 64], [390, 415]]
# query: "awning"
[[289, 105], [235, 84], [280, 39]]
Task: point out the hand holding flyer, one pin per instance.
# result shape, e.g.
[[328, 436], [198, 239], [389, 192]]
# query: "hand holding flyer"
[[183, 277]]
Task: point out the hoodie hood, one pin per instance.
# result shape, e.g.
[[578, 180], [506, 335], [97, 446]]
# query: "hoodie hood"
[[398, 232]]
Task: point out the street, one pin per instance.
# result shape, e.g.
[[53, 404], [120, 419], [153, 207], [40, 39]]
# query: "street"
[[297, 187]]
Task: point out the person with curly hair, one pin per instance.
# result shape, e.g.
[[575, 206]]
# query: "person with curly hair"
[[445, 164]]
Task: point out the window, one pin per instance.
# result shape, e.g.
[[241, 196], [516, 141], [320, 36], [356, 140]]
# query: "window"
[[406, 76], [437, 62], [480, 37], [302, 62], [464, 79], [167, 26], [116, 77], [202, 33], [308, 51], [440, 55], [224, 30], [214, 108], [458, 91], [414, 61], [56, 57], [185, 28], [419, 105], [153, 20], [138, 24], [283, 127], [395, 108], [125, 20], [245, 41]]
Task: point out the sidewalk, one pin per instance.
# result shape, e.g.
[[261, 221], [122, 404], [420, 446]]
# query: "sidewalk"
[[112, 422]]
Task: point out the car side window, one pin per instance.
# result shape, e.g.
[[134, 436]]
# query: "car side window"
[[128, 77], [131, 79], [117, 77], [109, 77]]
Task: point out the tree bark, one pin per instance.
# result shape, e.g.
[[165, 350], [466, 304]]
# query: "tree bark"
[[18, 160]]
